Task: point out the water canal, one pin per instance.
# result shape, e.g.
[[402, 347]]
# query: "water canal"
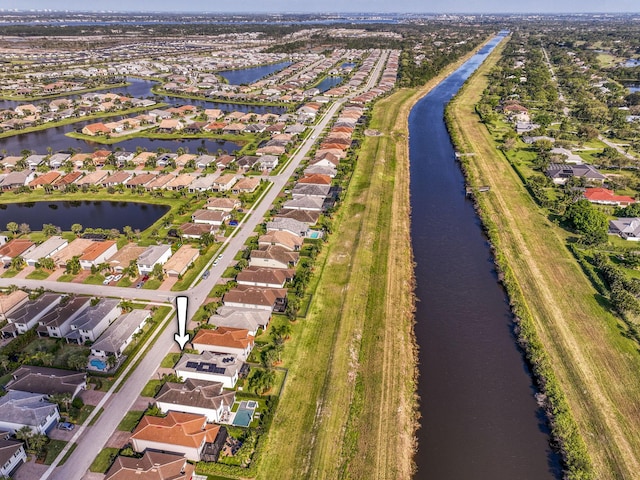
[[246, 76], [479, 417]]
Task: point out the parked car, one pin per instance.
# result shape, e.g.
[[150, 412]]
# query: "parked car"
[[139, 284], [205, 274], [66, 426], [108, 279], [215, 262], [145, 278], [117, 277]]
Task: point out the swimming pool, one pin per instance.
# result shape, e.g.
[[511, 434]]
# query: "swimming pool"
[[99, 364], [314, 234], [243, 417]]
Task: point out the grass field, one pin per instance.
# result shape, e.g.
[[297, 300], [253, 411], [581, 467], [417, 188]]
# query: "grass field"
[[596, 366]]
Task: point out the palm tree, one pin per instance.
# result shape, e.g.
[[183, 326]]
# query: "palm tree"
[[25, 434]]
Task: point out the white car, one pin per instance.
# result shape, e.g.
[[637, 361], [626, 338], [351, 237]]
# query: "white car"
[[117, 277], [108, 279]]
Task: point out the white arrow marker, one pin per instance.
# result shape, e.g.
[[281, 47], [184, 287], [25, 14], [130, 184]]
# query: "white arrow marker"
[[182, 337]]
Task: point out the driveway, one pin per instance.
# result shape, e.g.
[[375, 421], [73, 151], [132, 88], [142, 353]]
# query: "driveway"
[[30, 470]]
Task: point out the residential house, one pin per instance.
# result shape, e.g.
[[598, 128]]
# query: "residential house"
[[125, 256], [140, 180], [46, 249], [314, 204], [203, 161], [627, 228], [295, 227], [63, 182], [224, 340], [33, 161], [14, 248], [222, 204], [96, 129], [74, 249], [44, 179], [246, 296], [155, 254], [15, 180], [29, 314], [170, 125], [116, 178], [561, 172], [152, 466], [604, 196], [265, 277], [180, 261], [12, 300], [33, 410], [185, 433], [284, 239], [224, 183], [179, 182], [202, 184], [195, 230], [200, 397], [90, 324], [307, 190], [92, 178], [212, 217], [273, 257], [97, 253], [57, 323], [248, 318], [12, 455], [47, 381], [213, 367], [247, 162], [120, 333], [246, 185]]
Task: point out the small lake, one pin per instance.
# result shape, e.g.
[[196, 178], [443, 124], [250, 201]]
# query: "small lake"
[[633, 87], [92, 214], [328, 82], [632, 62], [246, 76]]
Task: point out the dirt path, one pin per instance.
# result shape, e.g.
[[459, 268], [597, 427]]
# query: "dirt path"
[[596, 366]]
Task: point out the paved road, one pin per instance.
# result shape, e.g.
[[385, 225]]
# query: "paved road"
[[91, 440]]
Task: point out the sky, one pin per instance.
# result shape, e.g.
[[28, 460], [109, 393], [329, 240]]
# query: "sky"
[[400, 6]]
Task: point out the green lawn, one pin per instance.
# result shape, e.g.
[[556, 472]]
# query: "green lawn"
[[151, 388], [10, 273], [170, 360], [54, 447], [152, 284], [38, 274], [104, 460], [67, 277], [130, 420], [94, 279]]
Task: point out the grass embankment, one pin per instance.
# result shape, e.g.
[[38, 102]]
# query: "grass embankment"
[[593, 368]]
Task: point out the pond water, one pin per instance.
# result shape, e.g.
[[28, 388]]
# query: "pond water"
[[92, 214], [328, 82], [246, 76]]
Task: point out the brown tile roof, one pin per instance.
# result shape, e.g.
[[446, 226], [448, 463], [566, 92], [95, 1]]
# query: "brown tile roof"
[[284, 239], [254, 295], [152, 466], [45, 179], [224, 337], [67, 179], [176, 428], [96, 249], [15, 247], [316, 179], [265, 275]]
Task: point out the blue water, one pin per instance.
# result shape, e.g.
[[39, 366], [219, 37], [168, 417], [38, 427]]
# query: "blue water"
[[314, 235], [243, 417], [348, 65], [246, 76], [99, 364], [328, 82]]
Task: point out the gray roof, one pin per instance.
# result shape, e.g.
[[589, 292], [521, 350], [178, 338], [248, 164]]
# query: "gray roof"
[[222, 364], [305, 203], [304, 189], [289, 224], [45, 248], [151, 255], [25, 408], [7, 449], [196, 393], [563, 170], [322, 170], [46, 381], [92, 316], [66, 312], [248, 318], [626, 227], [120, 330], [205, 159], [26, 312]]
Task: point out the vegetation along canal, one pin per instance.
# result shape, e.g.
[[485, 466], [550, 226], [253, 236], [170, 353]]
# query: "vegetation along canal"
[[479, 414]]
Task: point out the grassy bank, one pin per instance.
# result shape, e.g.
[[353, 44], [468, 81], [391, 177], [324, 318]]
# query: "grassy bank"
[[583, 362]]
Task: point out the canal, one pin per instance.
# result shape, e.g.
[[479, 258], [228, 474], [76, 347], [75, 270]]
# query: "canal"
[[479, 416]]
